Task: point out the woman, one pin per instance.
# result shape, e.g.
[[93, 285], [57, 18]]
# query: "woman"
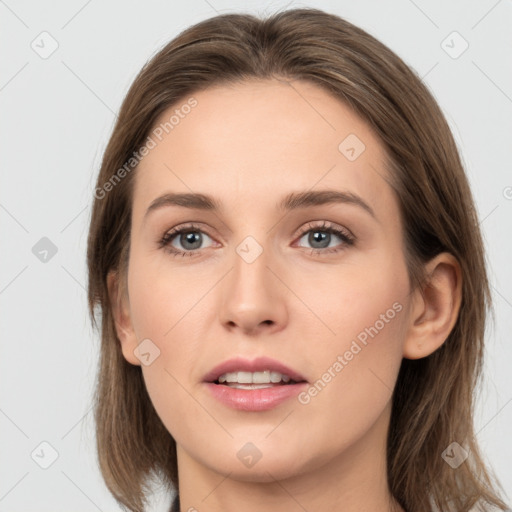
[[318, 343]]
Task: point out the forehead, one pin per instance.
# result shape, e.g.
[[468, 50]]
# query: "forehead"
[[259, 140]]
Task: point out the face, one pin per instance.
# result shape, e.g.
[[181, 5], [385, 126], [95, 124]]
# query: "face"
[[317, 284]]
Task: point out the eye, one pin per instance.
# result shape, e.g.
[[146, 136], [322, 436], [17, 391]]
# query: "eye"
[[190, 238], [320, 238]]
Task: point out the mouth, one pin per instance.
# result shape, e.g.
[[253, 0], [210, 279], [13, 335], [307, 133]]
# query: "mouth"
[[257, 385], [255, 380], [259, 373]]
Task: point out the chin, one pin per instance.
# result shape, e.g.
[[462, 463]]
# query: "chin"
[[277, 465], [261, 472]]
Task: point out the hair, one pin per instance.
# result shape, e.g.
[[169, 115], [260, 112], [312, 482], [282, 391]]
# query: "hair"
[[433, 400]]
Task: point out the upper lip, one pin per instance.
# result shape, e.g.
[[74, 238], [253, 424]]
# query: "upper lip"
[[256, 365]]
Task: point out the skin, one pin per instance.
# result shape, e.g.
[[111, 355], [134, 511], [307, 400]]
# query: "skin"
[[249, 145]]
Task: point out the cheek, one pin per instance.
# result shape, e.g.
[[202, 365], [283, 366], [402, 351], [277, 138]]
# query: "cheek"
[[169, 309], [354, 379], [357, 363], [364, 293], [166, 311], [161, 298]]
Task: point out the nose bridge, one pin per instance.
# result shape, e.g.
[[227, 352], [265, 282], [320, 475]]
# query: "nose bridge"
[[250, 280], [252, 295]]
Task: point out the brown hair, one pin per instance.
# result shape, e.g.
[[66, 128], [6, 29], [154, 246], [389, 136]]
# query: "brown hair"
[[433, 398]]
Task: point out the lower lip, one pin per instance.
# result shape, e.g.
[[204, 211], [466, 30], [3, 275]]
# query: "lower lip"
[[254, 399]]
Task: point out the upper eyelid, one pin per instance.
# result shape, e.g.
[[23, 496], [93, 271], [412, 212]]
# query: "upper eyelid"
[[326, 225], [299, 232]]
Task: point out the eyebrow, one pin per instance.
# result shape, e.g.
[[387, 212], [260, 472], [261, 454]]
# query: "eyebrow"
[[292, 201]]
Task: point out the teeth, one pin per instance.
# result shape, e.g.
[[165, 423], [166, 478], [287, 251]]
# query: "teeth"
[[265, 377], [276, 377], [244, 378], [249, 386]]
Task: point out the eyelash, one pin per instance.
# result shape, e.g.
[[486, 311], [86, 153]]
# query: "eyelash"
[[326, 227]]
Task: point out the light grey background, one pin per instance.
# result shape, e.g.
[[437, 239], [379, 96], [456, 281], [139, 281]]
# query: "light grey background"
[[56, 116]]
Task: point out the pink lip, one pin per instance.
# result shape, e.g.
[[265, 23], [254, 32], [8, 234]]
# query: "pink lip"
[[256, 365], [253, 399]]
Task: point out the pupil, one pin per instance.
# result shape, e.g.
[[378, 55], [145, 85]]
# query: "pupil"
[[315, 237], [193, 238], [319, 237]]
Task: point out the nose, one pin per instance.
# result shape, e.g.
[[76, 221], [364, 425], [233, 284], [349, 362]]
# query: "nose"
[[253, 298]]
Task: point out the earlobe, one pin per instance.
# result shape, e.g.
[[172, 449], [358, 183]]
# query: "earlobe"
[[122, 320], [435, 311]]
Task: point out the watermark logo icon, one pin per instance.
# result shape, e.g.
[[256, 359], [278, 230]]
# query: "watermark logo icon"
[[249, 454], [45, 45], [454, 455], [351, 147], [44, 250], [249, 249], [146, 352], [44, 455], [454, 45]]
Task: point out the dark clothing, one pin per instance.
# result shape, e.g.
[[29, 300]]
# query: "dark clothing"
[[175, 507]]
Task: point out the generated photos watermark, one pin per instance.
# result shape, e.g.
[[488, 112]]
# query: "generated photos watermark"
[[355, 348], [156, 136]]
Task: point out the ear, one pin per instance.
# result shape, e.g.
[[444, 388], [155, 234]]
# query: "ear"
[[120, 307], [435, 311]]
